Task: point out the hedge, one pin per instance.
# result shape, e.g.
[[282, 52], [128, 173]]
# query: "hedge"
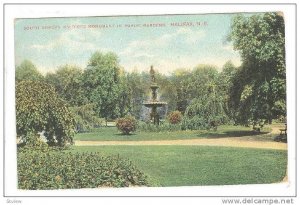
[[65, 170]]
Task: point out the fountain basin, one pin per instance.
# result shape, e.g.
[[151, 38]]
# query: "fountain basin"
[[154, 86], [154, 104]]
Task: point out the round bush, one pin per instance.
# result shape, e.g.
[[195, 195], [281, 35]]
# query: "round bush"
[[126, 125], [175, 117]]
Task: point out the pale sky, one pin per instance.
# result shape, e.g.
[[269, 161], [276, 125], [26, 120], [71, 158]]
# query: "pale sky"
[[53, 42]]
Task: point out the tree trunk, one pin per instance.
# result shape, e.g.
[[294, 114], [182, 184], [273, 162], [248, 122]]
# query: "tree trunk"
[[270, 120]]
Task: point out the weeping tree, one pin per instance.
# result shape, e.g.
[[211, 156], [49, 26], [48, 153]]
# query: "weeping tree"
[[206, 111], [40, 109]]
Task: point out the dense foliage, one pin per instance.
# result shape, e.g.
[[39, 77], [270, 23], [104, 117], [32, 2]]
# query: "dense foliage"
[[126, 124], [39, 109], [101, 81], [67, 81], [225, 84], [205, 112], [28, 71], [137, 89], [34, 142], [65, 170], [85, 117], [206, 109], [259, 87]]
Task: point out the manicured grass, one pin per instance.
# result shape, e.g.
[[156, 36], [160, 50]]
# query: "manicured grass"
[[200, 165], [112, 134]]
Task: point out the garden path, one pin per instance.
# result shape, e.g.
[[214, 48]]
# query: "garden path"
[[227, 142]]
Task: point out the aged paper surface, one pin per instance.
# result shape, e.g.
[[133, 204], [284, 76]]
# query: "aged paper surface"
[[172, 43]]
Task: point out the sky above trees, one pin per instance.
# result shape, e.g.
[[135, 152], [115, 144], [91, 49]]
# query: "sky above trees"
[[174, 41]]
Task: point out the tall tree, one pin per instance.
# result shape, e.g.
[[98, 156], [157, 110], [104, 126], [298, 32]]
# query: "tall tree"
[[101, 81], [28, 71], [124, 100], [67, 81], [137, 89], [261, 81], [192, 84], [206, 111], [180, 81], [167, 93], [224, 83]]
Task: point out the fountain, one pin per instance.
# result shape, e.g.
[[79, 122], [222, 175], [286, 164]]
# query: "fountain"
[[154, 103]]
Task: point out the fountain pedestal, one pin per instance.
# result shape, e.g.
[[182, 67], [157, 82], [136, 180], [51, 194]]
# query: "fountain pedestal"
[[154, 103]]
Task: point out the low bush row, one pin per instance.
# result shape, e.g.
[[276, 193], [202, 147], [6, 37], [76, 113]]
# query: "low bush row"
[[164, 126], [65, 170], [129, 124]]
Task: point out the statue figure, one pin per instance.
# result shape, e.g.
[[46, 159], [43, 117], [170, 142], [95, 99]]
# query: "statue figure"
[[152, 74]]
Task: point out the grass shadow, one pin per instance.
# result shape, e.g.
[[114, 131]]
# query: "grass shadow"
[[121, 134], [281, 138], [226, 134]]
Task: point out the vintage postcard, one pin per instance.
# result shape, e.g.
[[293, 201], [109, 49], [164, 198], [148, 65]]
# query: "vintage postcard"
[[151, 101]]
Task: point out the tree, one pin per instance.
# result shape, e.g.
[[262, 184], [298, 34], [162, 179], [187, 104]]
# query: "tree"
[[85, 117], [101, 81], [205, 111], [28, 71], [192, 84], [67, 81], [224, 84], [261, 43], [124, 100], [180, 81], [39, 109], [137, 87], [166, 93]]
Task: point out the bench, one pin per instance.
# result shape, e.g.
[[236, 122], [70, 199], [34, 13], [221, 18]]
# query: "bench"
[[283, 131], [283, 135]]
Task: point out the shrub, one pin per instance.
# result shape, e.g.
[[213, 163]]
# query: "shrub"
[[175, 117], [66, 170], [85, 117], [163, 127], [34, 141], [126, 125], [38, 109]]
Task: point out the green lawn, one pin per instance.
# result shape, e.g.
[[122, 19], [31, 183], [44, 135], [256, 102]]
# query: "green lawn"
[[112, 134], [201, 165]]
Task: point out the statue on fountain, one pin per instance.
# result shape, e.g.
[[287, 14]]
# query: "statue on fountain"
[[152, 74]]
